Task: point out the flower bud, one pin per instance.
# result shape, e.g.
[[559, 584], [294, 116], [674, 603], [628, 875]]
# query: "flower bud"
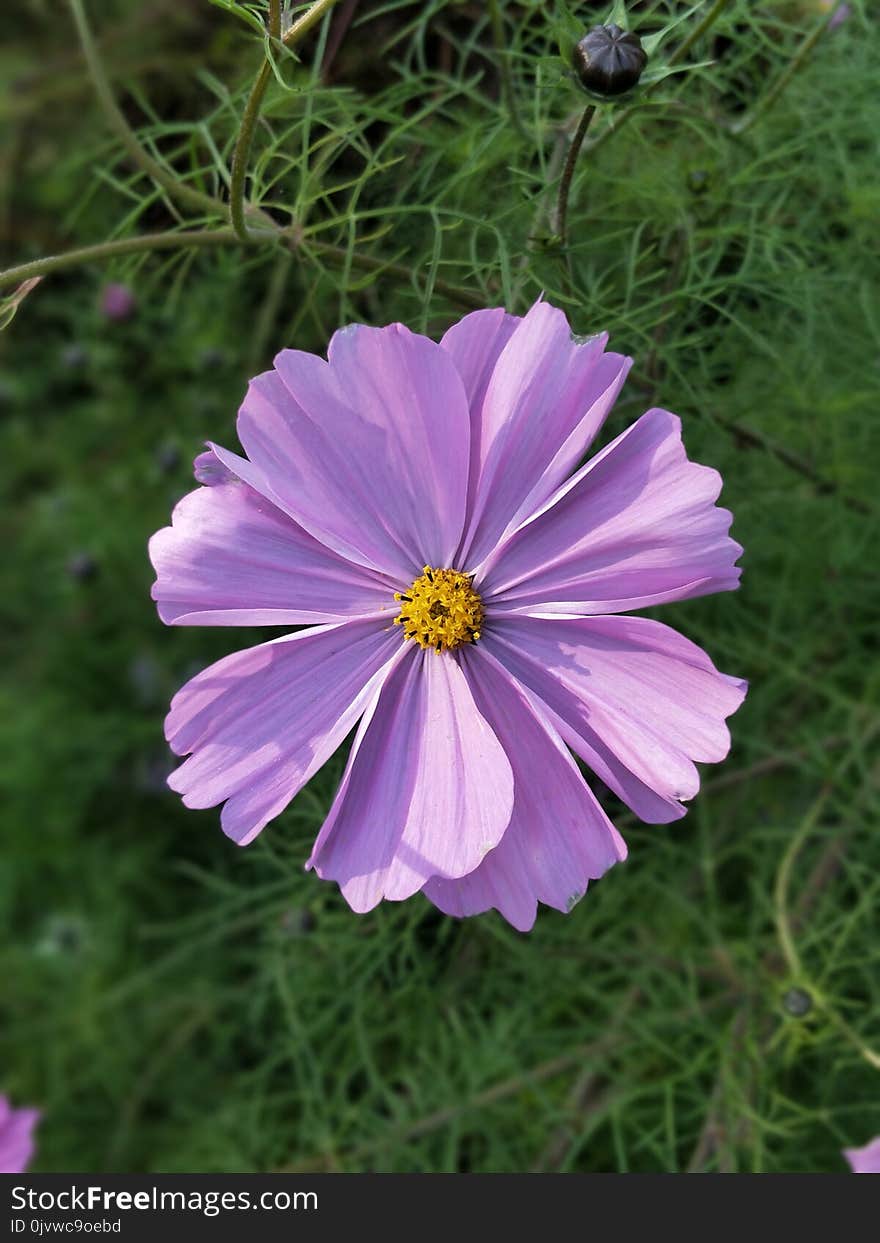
[[609, 60], [797, 1002]]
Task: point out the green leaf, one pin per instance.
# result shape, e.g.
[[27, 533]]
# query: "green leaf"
[[666, 71], [651, 42], [618, 15], [248, 16]]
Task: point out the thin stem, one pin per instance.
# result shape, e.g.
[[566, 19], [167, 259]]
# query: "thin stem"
[[293, 35], [698, 31], [776, 88], [501, 56], [339, 256], [172, 240], [176, 189], [783, 881], [785, 932], [336, 256], [561, 218], [274, 19], [268, 311]]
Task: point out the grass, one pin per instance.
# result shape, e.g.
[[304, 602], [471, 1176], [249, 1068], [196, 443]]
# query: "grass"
[[176, 1004]]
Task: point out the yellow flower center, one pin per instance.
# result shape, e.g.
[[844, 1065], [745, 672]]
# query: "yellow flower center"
[[440, 610]]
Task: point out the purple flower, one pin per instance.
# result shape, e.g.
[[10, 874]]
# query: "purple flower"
[[414, 505], [16, 1137], [117, 302], [865, 1160]]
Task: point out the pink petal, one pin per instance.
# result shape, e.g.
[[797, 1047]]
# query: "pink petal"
[[428, 789], [209, 470], [231, 558], [368, 451], [635, 699], [408, 387], [547, 397], [260, 722], [637, 526], [316, 471], [16, 1137], [558, 838], [476, 343], [865, 1160]]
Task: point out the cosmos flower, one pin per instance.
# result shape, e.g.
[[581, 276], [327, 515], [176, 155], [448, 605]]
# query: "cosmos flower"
[[16, 1137], [865, 1160], [419, 507]]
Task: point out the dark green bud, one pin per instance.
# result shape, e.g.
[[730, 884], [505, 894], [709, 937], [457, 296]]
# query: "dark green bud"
[[609, 60], [797, 1002]]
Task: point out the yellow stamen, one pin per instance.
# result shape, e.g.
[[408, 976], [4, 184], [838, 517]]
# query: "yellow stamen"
[[440, 610]]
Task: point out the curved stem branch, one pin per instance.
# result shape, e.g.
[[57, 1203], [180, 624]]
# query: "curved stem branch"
[[561, 218], [294, 33], [176, 188], [172, 240], [785, 932], [335, 256]]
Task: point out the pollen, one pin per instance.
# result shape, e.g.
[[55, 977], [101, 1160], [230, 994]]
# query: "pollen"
[[441, 610]]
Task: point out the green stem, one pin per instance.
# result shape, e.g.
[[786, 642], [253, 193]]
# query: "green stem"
[[337, 256], [167, 180], [561, 218], [242, 150], [783, 881], [698, 31], [274, 19], [501, 56], [785, 932], [776, 88], [293, 35], [278, 274], [172, 240]]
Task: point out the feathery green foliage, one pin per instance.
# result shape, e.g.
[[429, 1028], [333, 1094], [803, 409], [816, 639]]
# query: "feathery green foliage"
[[174, 1003]]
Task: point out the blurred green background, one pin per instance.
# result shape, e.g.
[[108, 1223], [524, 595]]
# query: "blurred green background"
[[174, 1003]]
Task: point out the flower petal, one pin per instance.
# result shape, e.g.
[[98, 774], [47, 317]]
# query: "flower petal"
[[428, 789], [476, 343], [231, 558], [407, 386], [318, 470], [260, 722], [547, 397], [210, 471], [635, 699], [637, 526], [558, 839], [369, 450], [16, 1137], [864, 1160]]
